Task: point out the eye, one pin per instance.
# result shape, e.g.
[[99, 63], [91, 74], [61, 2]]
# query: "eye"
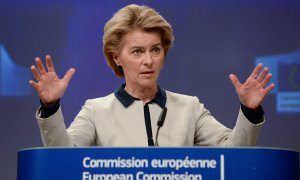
[[137, 52], [156, 50]]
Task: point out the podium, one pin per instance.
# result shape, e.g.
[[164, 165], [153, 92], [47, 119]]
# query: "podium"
[[158, 163]]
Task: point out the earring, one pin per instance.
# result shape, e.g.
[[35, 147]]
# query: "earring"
[[117, 62]]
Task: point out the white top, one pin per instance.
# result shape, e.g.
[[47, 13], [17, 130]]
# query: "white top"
[[107, 122]]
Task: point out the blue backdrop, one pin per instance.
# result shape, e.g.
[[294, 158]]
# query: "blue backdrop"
[[212, 40]]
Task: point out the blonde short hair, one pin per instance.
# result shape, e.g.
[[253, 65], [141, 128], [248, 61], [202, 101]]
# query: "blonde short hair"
[[129, 18]]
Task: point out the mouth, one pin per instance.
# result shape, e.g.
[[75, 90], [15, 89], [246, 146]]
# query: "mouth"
[[147, 74]]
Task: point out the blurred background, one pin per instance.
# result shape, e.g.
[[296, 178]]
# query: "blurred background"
[[212, 40]]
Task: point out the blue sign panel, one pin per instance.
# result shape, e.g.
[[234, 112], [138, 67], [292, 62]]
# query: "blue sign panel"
[[285, 71], [158, 163], [289, 77]]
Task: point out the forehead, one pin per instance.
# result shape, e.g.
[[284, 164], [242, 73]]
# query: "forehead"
[[141, 38]]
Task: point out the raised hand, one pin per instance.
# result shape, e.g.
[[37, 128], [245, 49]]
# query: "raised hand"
[[255, 89], [48, 85]]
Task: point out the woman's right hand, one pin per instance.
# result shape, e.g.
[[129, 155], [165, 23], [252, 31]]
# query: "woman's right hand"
[[48, 85]]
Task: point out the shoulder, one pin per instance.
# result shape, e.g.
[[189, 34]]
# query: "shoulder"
[[105, 101], [180, 99], [186, 104]]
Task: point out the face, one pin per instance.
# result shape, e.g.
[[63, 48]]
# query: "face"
[[141, 57]]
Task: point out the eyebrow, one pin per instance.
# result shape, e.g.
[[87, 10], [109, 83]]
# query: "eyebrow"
[[141, 47], [157, 44]]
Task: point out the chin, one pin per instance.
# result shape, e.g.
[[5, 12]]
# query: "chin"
[[148, 83]]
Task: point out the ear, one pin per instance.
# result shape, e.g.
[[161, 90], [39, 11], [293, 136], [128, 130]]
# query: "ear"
[[116, 59]]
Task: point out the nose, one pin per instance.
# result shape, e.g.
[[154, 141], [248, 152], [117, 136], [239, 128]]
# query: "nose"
[[148, 60]]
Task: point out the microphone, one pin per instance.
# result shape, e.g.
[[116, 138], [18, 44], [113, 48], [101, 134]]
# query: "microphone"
[[162, 117], [160, 123]]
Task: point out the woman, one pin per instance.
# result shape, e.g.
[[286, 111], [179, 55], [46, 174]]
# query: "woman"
[[136, 41]]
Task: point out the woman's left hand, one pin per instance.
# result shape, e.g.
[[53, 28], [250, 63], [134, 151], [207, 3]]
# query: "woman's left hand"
[[255, 88]]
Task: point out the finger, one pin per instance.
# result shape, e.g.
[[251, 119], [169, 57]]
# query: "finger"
[[269, 88], [35, 73], [33, 84], [263, 74], [40, 66], [235, 81], [256, 70], [49, 64], [69, 74], [266, 80]]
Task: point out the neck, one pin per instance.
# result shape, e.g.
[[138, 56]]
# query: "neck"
[[146, 94]]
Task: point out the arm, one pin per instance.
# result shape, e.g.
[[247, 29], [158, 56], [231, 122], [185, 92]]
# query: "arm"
[[245, 133], [53, 130], [80, 133], [50, 88], [210, 132]]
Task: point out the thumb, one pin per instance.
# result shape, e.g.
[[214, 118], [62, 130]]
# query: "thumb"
[[69, 74], [235, 81]]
